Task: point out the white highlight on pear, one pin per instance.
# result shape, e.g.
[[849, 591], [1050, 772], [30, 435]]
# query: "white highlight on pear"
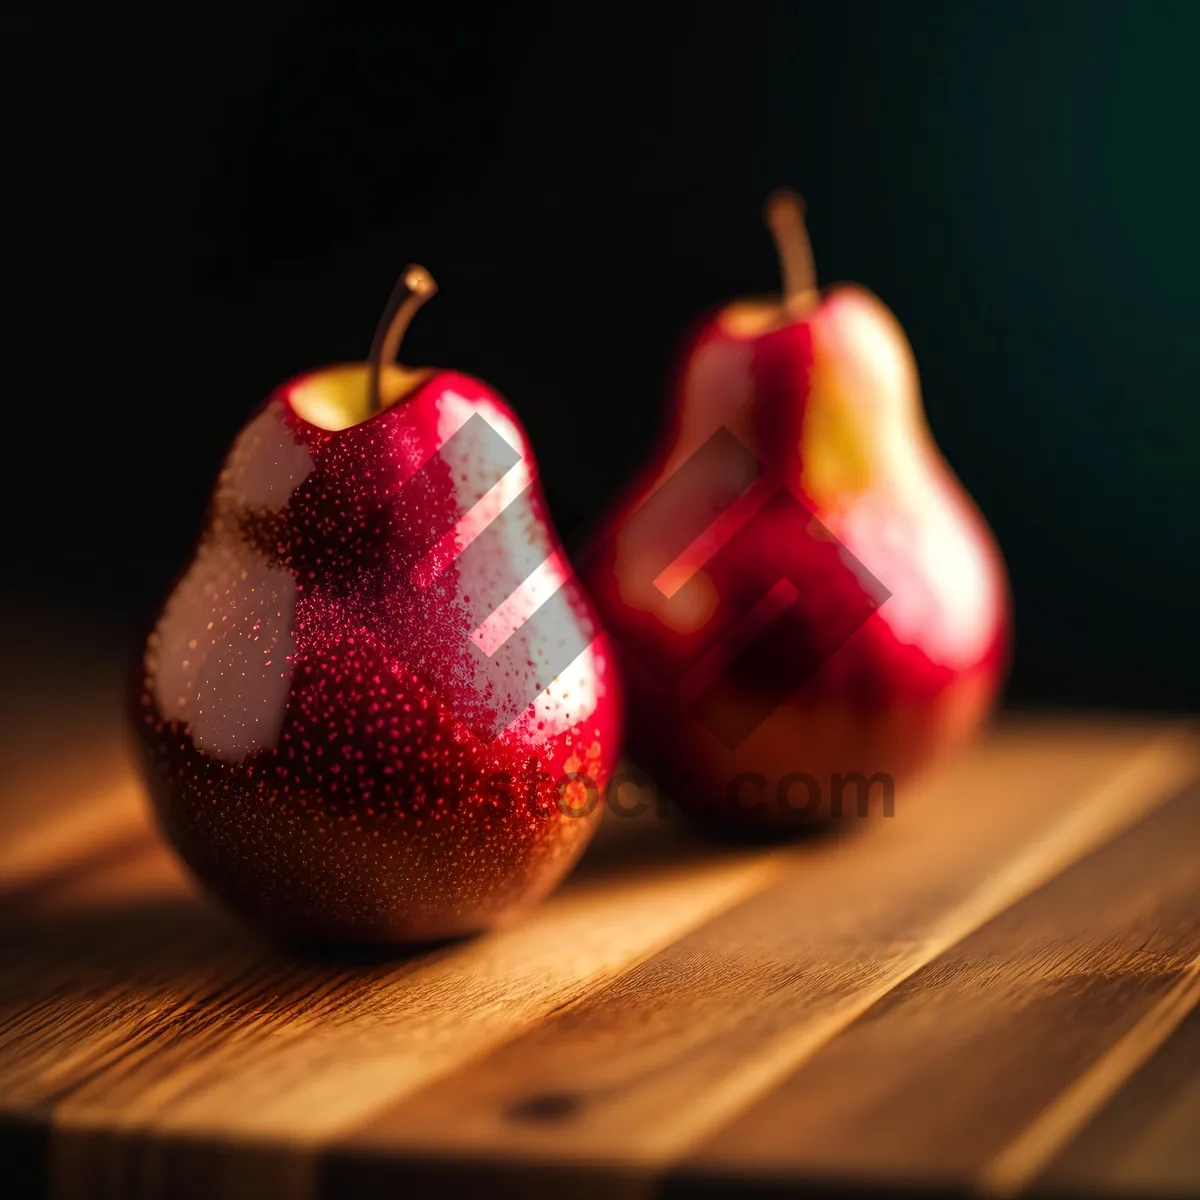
[[267, 463], [229, 685]]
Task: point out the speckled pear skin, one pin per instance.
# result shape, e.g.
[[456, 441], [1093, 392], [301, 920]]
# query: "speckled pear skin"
[[341, 740]]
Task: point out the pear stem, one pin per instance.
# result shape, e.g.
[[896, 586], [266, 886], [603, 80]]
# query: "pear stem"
[[785, 218], [412, 289]]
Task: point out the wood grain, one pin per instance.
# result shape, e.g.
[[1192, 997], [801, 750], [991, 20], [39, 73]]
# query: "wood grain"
[[139, 1007], [649, 1064], [958, 994], [1069, 1112], [954, 1075], [1146, 1141]]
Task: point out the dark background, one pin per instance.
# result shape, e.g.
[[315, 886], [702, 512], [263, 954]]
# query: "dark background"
[[211, 197]]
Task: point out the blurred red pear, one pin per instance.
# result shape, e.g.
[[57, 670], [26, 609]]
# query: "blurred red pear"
[[809, 605]]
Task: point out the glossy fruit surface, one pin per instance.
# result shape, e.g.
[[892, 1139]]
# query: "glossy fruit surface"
[[377, 705], [809, 606]]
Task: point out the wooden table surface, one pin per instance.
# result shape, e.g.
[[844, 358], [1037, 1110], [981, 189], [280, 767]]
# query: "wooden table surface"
[[993, 991]]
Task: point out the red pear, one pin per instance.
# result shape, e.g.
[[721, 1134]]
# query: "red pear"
[[809, 605], [378, 706]]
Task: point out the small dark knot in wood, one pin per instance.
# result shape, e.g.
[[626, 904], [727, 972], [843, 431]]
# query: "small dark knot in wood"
[[546, 1106]]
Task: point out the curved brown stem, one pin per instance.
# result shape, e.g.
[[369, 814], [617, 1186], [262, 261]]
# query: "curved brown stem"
[[785, 217], [412, 289]]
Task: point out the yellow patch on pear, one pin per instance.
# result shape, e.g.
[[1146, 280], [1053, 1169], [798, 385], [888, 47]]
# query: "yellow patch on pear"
[[834, 456]]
